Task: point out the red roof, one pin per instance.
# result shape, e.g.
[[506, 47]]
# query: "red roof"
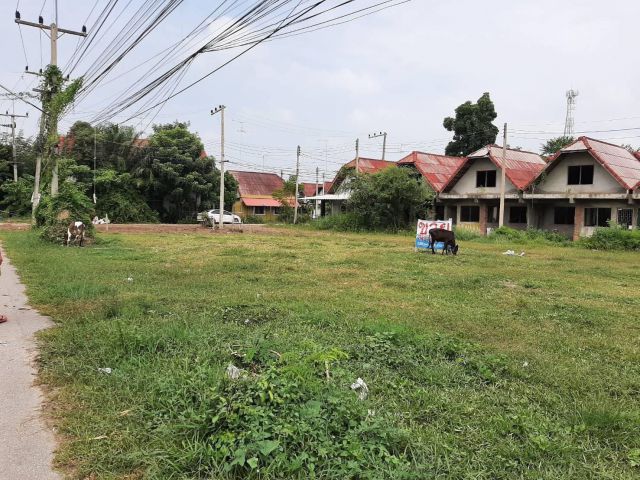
[[256, 183], [309, 189], [369, 165], [365, 165], [261, 202], [521, 167], [437, 170], [623, 165]]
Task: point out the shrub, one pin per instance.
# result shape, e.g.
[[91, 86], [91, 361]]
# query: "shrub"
[[530, 234], [254, 219], [54, 213], [612, 238], [15, 197], [342, 222], [465, 234]]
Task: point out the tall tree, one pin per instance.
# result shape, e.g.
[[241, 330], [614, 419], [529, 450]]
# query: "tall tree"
[[178, 178], [472, 128], [552, 145]]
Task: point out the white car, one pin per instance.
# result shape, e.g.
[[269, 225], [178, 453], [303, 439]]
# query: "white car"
[[227, 217]]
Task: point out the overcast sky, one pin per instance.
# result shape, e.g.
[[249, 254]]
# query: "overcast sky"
[[401, 70]]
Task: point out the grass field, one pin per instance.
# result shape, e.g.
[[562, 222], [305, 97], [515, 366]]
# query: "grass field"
[[479, 366]]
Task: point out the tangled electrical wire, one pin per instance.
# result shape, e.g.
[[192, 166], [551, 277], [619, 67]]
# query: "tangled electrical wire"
[[231, 24]]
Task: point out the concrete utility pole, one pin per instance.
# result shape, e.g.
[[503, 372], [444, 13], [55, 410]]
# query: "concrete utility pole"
[[384, 141], [503, 176], [357, 155], [13, 117], [56, 33], [95, 161], [315, 210], [295, 200], [220, 108]]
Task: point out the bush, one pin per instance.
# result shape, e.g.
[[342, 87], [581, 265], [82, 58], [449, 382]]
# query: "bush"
[[530, 234], [54, 214], [465, 234], [342, 222], [254, 219], [15, 197], [612, 238]]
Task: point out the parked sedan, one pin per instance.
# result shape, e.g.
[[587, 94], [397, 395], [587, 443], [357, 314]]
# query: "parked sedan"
[[227, 217]]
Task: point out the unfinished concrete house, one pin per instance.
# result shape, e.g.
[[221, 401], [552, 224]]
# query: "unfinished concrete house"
[[472, 195], [587, 184]]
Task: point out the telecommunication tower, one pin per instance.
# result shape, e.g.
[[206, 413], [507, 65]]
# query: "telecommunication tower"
[[571, 106]]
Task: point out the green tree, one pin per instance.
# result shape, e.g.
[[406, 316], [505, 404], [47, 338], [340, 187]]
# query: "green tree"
[[392, 198], [119, 198], [178, 180], [15, 197], [552, 145], [472, 128], [285, 196]]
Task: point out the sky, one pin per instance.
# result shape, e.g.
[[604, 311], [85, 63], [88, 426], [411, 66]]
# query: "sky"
[[401, 71]]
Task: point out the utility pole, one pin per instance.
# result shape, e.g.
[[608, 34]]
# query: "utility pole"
[[95, 158], [295, 200], [503, 176], [384, 141], [13, 117], [56, 33], [357, 155], [220, 109], [315, 210]]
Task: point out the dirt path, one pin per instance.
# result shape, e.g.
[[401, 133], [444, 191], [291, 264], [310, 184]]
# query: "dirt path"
[[26, 443]]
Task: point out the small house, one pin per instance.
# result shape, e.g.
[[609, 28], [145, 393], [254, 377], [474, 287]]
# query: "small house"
[[587, 184], [472, 196]]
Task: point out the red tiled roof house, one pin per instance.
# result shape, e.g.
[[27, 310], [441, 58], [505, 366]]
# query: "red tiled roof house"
[[585, 185], [471, 196], [255, 194]]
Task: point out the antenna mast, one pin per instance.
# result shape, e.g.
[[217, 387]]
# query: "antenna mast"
[[571, 106]]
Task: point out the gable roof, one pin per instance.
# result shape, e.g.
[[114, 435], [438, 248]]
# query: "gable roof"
[[436, 169], [521, 167], [621, 164], [365, 165], [309, 189], [256, 183], [369, 165]]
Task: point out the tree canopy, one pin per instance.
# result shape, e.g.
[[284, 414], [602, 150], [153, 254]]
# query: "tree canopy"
[[553, 145], [392, 198], [472, 128]]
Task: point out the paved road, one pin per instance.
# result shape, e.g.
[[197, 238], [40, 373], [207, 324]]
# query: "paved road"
[[26, 444]]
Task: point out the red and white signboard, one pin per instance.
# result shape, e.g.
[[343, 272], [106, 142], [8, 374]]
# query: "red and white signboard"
[[423, 240]]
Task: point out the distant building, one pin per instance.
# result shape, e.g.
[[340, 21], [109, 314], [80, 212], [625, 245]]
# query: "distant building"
[[255, 194], [472, 196], [587, 184], [336, 193], [436, 170]]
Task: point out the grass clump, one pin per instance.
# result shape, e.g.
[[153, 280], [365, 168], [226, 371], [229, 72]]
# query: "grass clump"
[[466, 234], [528, 235], [341, 222], [612, 238]]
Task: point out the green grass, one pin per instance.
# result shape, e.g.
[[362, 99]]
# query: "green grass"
[[479, 366]]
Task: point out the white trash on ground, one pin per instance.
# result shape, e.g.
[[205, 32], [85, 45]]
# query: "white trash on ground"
[[233, 372], [106, 370], [511, 253], [360, 388]]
